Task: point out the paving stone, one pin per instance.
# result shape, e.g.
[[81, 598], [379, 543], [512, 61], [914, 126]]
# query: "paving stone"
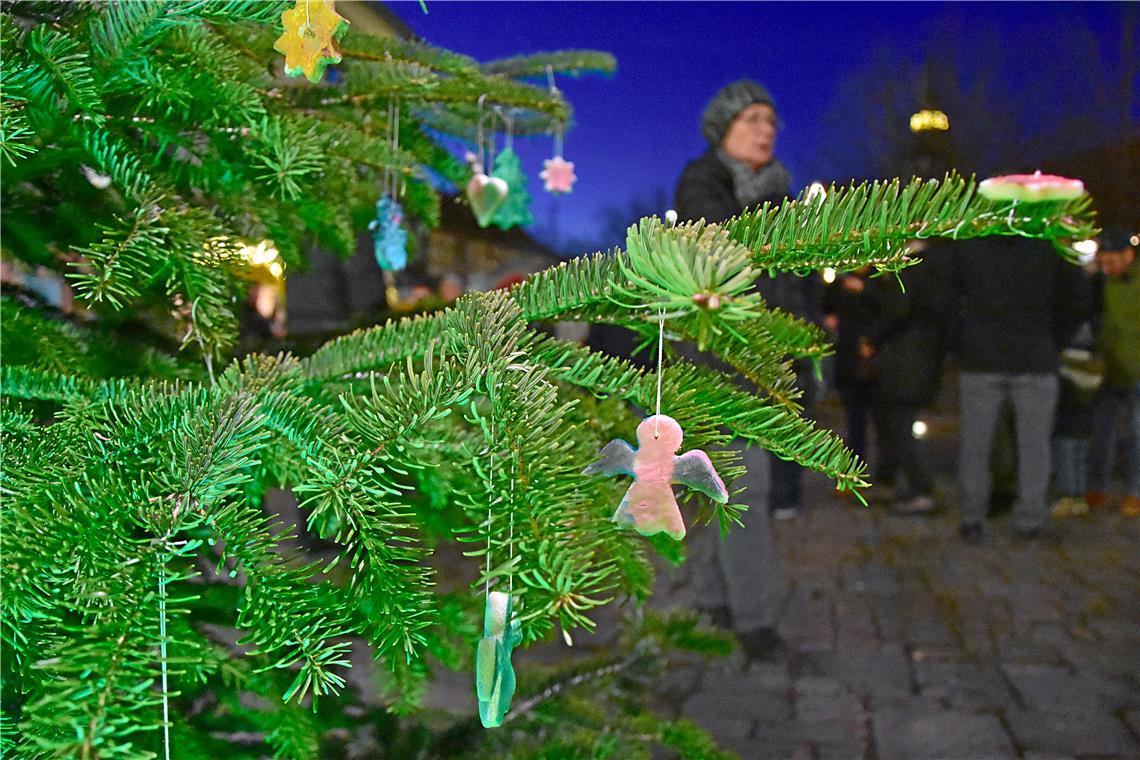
[[810, 739], [1044, 687], [1132, 718], [828, 708], [806, 622], [906, 736], [884, 671], [1096, 734], [708, 711], [818, 685], [729, 705], [964, 685]]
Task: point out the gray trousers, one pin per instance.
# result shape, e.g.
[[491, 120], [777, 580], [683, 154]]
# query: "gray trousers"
[[740, 572], [1034, 398]]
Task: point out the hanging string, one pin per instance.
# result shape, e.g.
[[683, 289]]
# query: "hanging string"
[[162, 655], [555, 131], [490, 501], [397, 174], [509, 125], [490, 166], [511, 528], [388, 169], [660, 351], [479, 146]]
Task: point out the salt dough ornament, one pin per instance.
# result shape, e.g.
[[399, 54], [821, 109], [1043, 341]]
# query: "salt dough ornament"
[[494, 674], [309, 40], [558, 174], [485, 194], [649, 505], [389, 239], [515, 210], [1031, 188]]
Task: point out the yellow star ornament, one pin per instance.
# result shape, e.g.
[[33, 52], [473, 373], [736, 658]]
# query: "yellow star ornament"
[[309, 40]]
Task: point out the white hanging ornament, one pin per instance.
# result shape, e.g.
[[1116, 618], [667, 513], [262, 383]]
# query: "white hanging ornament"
[[485, 193]]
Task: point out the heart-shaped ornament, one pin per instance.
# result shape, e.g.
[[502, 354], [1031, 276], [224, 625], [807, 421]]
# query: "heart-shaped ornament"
[[486, 194]]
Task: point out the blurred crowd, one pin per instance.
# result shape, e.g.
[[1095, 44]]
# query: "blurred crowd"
[[1047, 358]]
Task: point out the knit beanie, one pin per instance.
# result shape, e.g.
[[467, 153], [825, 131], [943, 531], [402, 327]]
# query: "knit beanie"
[[726, 104]]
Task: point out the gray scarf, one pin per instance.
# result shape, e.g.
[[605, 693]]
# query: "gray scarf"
[[750, 187]]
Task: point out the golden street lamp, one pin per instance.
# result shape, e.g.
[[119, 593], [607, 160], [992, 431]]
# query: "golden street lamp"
[[929, 120]]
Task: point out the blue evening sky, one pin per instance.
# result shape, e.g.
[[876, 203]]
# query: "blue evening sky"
[[636, 130]]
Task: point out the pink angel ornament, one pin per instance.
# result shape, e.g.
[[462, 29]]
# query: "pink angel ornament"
[[649, 505]]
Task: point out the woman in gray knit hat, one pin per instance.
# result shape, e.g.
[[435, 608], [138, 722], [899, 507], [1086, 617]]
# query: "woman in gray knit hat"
[[737, 578], [739, 170]]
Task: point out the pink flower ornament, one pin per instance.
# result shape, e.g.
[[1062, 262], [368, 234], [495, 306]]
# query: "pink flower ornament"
[[558, 174]]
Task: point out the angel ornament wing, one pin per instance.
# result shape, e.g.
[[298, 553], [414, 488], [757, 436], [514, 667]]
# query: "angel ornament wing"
[[649, 505]]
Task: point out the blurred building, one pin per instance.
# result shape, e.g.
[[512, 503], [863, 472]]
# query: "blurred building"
[[336, 294]]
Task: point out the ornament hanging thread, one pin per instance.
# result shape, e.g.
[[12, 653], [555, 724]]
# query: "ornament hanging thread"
[[389, 238], [485, 193], [502, 631]]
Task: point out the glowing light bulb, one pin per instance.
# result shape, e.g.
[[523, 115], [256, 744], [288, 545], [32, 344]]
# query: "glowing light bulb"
[[919, 429], [828, 275], [261, 254]]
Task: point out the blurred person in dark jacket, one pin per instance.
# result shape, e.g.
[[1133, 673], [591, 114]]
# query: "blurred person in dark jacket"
[[1019, 303], [737, 580], [906, 341], [1118, 342], [739, 171], [847, 316]]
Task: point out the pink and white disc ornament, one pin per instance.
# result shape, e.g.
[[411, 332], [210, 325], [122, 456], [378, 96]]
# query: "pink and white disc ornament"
[[1031, 188]]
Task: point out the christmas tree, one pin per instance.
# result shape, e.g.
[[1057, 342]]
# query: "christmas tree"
[[151, 605]]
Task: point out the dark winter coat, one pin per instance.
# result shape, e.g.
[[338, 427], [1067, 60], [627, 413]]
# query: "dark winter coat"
[[705, 191], [1019, 303], [909, 329], [853, 311]]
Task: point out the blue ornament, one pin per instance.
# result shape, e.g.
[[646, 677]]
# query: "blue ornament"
[[389, 239]]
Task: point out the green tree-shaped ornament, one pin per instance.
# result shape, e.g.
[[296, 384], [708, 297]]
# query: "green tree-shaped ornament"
[[515, 210]]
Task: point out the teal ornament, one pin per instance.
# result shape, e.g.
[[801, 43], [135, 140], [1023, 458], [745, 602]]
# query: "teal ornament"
[[515, 211], [494, 674], [389, 238]]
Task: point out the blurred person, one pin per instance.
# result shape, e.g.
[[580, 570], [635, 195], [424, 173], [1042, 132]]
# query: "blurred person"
[[847, 316], [1119, 343], [906, 339], [1018, 303], [1081, 374], [737, 581], [740, 171]]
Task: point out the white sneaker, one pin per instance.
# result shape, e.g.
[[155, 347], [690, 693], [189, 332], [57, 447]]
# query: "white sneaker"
[[918, 505], [785, 513]]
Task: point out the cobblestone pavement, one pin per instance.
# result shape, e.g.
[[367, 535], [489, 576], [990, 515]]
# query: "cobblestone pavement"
[[904, 642]]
